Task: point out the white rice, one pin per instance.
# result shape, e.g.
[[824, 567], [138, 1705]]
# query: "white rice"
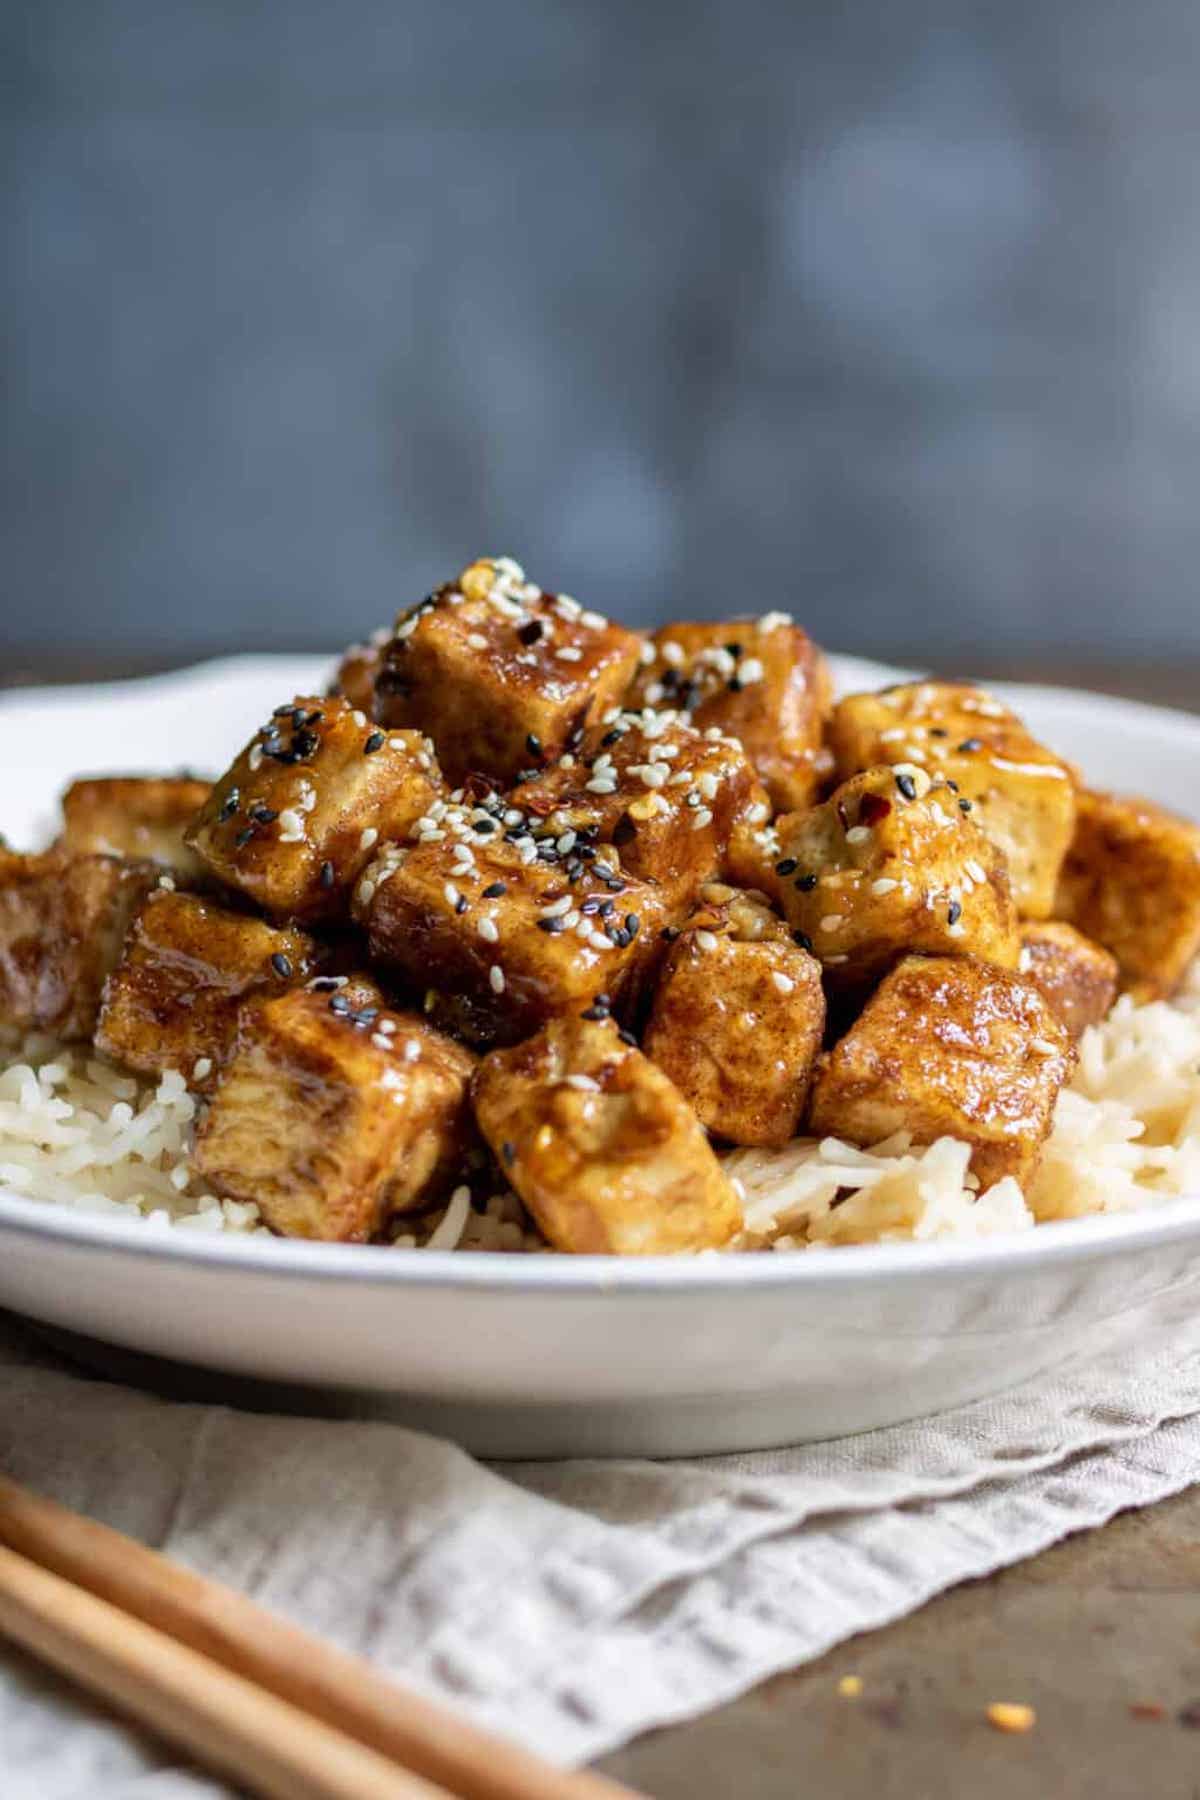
[[1126, 1136], [76, 1131]]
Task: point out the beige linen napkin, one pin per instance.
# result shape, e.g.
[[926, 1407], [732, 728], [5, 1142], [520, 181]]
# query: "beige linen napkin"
[[571, 1605]]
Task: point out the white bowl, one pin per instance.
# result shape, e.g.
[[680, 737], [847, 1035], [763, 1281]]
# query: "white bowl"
[[550, 1356]]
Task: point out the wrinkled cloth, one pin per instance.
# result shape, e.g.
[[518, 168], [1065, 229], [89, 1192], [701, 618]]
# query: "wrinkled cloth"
[[571, 1605]]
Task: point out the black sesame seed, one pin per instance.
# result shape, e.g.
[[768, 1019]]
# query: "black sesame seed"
[[969, 744], [954, 913], [282, 965], [788, 866], [907, 786], [325, 984], [340, 1005], [316, 717], [232, 800], [614, 886], [298, 716], [937, 731], [605, 907], [734, 649], [802, 938], [376, 741], [485, 826], [495, 889], [282, 712], [508, 1152], [952, 785], [304, 743], [243, 837], [669, 933], [595, 1013], [550, 926], [964, 805], [460, 905], [263, 815], [805, 883], [632, 923], [531, 632], [609, 739], [533, 744], [327, 876], [735, 684], [627, 1037], [604, 1000]]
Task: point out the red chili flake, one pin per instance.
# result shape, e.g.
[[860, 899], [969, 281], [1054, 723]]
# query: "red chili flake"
[[1147, 1709], [872, 808]]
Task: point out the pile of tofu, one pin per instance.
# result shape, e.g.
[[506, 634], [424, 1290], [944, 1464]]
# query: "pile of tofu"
[[531, 900]]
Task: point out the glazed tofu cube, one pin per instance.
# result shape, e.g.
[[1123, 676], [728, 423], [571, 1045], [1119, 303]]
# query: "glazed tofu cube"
[[172, 1001], [889, 864], [948, 1047], [63, 921], [1131, 881], [142, 817], [501, 932], [762, 681], [1020, 794], [296, 819], [602, 1148], [669, 798], [500, 675], [737, 1020], [1078, 977], [358, 672], [334, 1115]]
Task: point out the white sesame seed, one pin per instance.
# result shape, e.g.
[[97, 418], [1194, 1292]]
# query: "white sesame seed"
[[255, 757], [570, 919], [476, 640], [705, 940], [488, 929], [412, 1049], [672, 653], [783, 982], [569, 653], [858, 834], [565, 844], [585, 1083], [772, 621], [750, 670], [380, 1041], [707, 784], [360, 718], [701, 818], [201, 1068], [883, 886], [1043, 1047], [835, 959], [387, 1026], [957, 930], [1025, 961], [974, 870], [496, 978], [167, 883], [601, 784], [598, 941], [369, 838], [557, 908], [646, 657], [833, 921], [593, 620], [652, 775], [452, 894]]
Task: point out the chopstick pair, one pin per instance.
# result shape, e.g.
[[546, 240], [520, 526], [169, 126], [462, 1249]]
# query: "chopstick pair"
[[244, 1692]]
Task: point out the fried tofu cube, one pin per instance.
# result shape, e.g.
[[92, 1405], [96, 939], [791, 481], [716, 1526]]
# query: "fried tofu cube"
[[668, 797], [762, 681], [949, 1047], [172, 1001], [294, 822], [63, 921], [501, 937], [358, 671], [333, 1115], [889, 864], [1131, 881], [1020, 793], [737, 1019], [141, 817], [500, 675], [1078, 978], [602, 1148]]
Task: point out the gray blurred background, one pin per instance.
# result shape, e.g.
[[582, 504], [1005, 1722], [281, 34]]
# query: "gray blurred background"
[[887, 314]]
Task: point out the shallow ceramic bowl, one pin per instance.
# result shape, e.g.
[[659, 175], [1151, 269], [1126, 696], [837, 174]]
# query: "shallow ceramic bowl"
[[548, 1356]]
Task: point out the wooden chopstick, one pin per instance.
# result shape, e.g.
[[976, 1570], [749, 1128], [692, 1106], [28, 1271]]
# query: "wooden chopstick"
[[231, 1634], [222, 1719]]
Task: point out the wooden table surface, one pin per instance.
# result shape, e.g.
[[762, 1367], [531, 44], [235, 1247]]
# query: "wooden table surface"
[[1101, 1635]]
